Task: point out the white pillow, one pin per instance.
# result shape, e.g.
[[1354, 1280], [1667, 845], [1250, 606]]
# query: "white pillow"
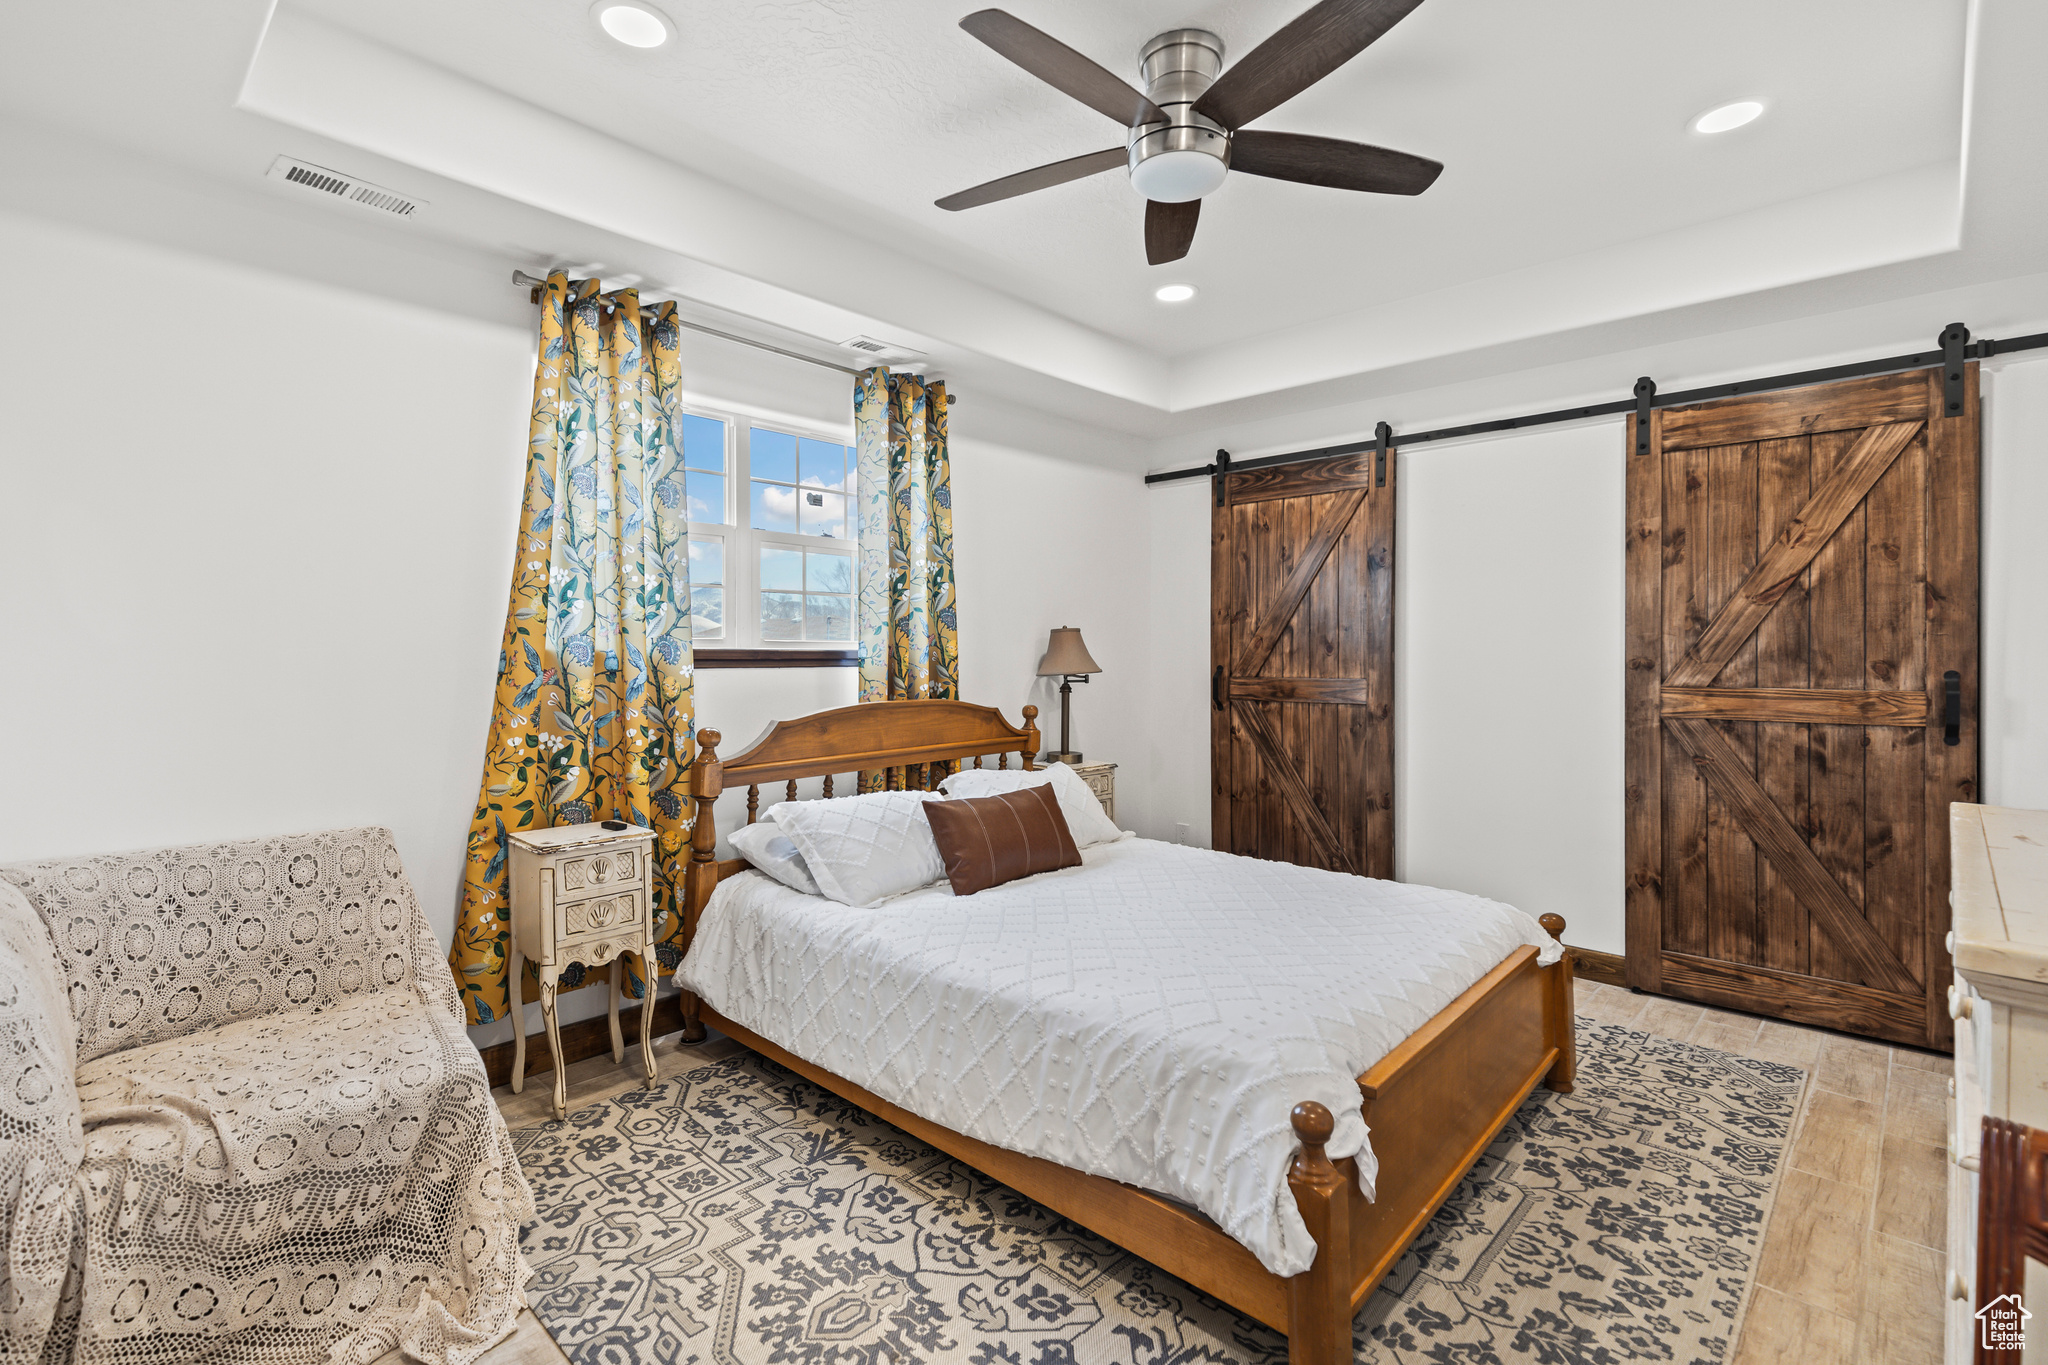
[[765, 846], [1086, 820], [864, 849]]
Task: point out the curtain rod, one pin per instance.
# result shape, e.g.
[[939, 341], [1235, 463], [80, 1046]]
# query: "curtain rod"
[[1954, 347], [521, 277]]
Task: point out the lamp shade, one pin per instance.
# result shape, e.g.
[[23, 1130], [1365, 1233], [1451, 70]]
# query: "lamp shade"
[[1065, 655]]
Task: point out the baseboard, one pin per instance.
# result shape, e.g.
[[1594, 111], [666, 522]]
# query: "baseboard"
[[584, 1038], [1609, 969]]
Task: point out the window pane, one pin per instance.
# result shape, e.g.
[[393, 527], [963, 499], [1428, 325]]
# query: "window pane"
[[703, 443], [827, 618], [823, 463], [774, 507], [821, 514], [707, 498], [772, 454], [782, 569], [829, 573], [782, 616], [707, 561], [707, 613]]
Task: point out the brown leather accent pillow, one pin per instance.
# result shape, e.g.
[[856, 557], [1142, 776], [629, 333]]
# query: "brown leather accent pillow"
[[988, 840]]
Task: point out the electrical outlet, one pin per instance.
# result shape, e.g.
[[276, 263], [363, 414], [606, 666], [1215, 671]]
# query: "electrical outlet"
[[1180, 833]]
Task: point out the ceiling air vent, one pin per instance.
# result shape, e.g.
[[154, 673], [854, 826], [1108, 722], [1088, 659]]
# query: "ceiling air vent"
[[346, 189], [870, 347]]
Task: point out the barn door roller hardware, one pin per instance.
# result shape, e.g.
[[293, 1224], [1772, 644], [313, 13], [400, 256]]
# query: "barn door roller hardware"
[[1221, 469], [1954, 338], [1953, 350], [1646, 394], [1382, 434]]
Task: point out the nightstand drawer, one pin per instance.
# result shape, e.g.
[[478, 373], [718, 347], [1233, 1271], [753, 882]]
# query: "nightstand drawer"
[[595, 874], [594, 950], [618, 913]]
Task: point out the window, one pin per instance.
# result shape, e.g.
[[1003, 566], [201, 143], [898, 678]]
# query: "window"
[[772, 532]]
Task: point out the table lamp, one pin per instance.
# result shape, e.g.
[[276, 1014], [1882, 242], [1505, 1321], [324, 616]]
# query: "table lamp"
[[1067, 659]]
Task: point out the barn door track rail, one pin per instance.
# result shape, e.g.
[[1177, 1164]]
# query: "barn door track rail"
[[1954, 347]]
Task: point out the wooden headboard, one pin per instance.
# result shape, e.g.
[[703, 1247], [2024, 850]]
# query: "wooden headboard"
[[903, 740]]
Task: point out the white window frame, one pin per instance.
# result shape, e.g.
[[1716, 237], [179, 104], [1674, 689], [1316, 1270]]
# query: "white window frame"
[[742, 544]]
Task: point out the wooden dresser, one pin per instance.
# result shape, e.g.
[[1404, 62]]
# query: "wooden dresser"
[[1999, 881], [580, 893]]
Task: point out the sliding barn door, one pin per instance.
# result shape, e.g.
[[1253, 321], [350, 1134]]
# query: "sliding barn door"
[[1302, 656], [1802, 699]]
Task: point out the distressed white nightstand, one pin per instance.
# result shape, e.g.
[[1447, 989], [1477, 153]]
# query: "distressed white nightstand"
[[1998, 879], [1101, 779], [580, 893]]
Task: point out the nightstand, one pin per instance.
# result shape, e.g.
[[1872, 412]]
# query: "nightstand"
[[580, 893], [1101, 779]]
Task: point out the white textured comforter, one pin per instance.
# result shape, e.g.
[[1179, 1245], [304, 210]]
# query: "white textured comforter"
[[1150, 1016]]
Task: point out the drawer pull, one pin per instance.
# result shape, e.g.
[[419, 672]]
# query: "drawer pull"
[[1950, 943], [1958, 1287], [1965, 1160], [1960, 1006]]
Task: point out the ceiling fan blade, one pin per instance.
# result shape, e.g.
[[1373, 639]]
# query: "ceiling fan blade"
[[1037, 178], [1331, 161], [1169, 230], [1317, 42], [1062, 68]]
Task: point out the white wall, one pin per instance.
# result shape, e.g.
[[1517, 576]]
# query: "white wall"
[[257, 539], [2015, 608], [1508, 674], [1508, 709]]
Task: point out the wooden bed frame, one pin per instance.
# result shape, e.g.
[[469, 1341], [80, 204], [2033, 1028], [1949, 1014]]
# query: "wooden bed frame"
[[1434, 1103]]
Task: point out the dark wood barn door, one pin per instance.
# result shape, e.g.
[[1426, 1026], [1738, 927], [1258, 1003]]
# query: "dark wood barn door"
[[1802, 606], [1302, 659]]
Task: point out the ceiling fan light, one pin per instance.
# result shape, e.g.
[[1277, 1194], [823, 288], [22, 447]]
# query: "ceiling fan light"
[[1728, 116], [1177, 177], [1174, 293]]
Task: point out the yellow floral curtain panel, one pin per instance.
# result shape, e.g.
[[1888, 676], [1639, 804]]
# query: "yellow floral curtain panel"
[[593, 718], [906, 619]]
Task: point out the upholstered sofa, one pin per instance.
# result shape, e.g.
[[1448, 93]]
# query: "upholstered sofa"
[[240, 1119]]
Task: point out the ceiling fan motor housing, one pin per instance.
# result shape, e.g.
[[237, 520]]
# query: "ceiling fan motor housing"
[[1187, 156]]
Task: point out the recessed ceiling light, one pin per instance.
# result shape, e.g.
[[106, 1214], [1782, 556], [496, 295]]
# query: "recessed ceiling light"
[[633, 23], [1727, 116], [1174, 293]]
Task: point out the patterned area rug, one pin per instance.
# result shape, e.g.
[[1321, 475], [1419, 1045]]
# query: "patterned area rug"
[[739, 1214]]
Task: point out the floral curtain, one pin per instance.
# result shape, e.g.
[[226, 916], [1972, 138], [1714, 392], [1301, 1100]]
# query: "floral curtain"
[[593, 719], [906, 623]]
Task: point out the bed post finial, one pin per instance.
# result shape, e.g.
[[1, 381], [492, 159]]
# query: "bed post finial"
[[1030, 735], [707, 780], [1319, 1298], [1559, 1025]]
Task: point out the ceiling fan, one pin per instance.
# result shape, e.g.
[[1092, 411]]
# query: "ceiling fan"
[[1187, 130]]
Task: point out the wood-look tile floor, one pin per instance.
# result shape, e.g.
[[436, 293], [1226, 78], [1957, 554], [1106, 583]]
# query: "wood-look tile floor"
[[1853, 1261]]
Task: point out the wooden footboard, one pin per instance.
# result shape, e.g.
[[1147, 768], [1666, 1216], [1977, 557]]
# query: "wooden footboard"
[[1433, 1104]]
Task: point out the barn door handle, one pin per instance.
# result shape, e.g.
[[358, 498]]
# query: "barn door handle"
[[1951, 708], [1216, 688]]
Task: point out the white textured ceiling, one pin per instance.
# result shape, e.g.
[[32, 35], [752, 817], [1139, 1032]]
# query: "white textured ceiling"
[[1562, 127]]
